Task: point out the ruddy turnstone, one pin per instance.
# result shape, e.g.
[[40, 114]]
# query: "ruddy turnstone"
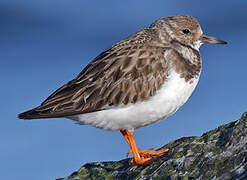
[[139, 81]]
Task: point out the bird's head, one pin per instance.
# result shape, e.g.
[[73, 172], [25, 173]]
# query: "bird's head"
[[183, 29]]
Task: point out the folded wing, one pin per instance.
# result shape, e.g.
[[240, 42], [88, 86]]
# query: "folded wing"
[[129, 72]]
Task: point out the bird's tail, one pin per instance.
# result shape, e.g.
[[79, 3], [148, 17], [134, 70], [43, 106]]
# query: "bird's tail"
[[39, 113], [31, 114], [42, 112]]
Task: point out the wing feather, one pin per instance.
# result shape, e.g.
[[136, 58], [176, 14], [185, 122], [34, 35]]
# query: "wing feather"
[[129, 72]]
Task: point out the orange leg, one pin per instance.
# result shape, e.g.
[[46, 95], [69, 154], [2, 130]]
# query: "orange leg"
[[141, 157]]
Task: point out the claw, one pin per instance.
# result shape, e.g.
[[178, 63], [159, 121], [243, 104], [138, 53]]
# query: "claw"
[[141, 157]]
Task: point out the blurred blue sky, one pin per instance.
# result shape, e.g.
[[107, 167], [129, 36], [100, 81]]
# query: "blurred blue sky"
[[44, 44]]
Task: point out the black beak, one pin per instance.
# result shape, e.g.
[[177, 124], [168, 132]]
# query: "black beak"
[[209, 39]]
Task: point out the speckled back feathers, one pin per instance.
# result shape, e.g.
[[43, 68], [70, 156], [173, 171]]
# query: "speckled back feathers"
[[129, 72]]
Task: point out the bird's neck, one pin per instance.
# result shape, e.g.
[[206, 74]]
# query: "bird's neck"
[[190, 54], [186, 61]]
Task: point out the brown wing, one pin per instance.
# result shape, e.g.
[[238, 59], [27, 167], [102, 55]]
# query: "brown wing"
[[129, 72]]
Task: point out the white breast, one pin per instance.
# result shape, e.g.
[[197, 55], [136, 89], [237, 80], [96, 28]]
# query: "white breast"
[[168, 99]]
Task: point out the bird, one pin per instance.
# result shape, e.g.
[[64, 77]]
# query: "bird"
[[140, 80]]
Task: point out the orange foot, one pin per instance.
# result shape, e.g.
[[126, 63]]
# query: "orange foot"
[[148, 156], [150, 152], [141, 157]]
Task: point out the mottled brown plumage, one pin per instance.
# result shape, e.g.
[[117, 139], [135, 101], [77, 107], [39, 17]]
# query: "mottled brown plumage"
[[140, 80], [129, 72]]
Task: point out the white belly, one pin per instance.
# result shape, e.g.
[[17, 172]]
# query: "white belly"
[[167, 100]]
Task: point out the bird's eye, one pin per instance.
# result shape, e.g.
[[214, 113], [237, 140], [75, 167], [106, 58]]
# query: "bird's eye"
[[186, 31]]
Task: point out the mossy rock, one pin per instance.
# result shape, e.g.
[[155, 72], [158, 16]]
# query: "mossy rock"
[[217, 154]]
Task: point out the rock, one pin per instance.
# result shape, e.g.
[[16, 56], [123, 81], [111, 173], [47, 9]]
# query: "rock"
[[217, 154]]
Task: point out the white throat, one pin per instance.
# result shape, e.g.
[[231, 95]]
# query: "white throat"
[[196, 45]]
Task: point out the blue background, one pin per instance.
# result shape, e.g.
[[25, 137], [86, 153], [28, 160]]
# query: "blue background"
[[44, 44]]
